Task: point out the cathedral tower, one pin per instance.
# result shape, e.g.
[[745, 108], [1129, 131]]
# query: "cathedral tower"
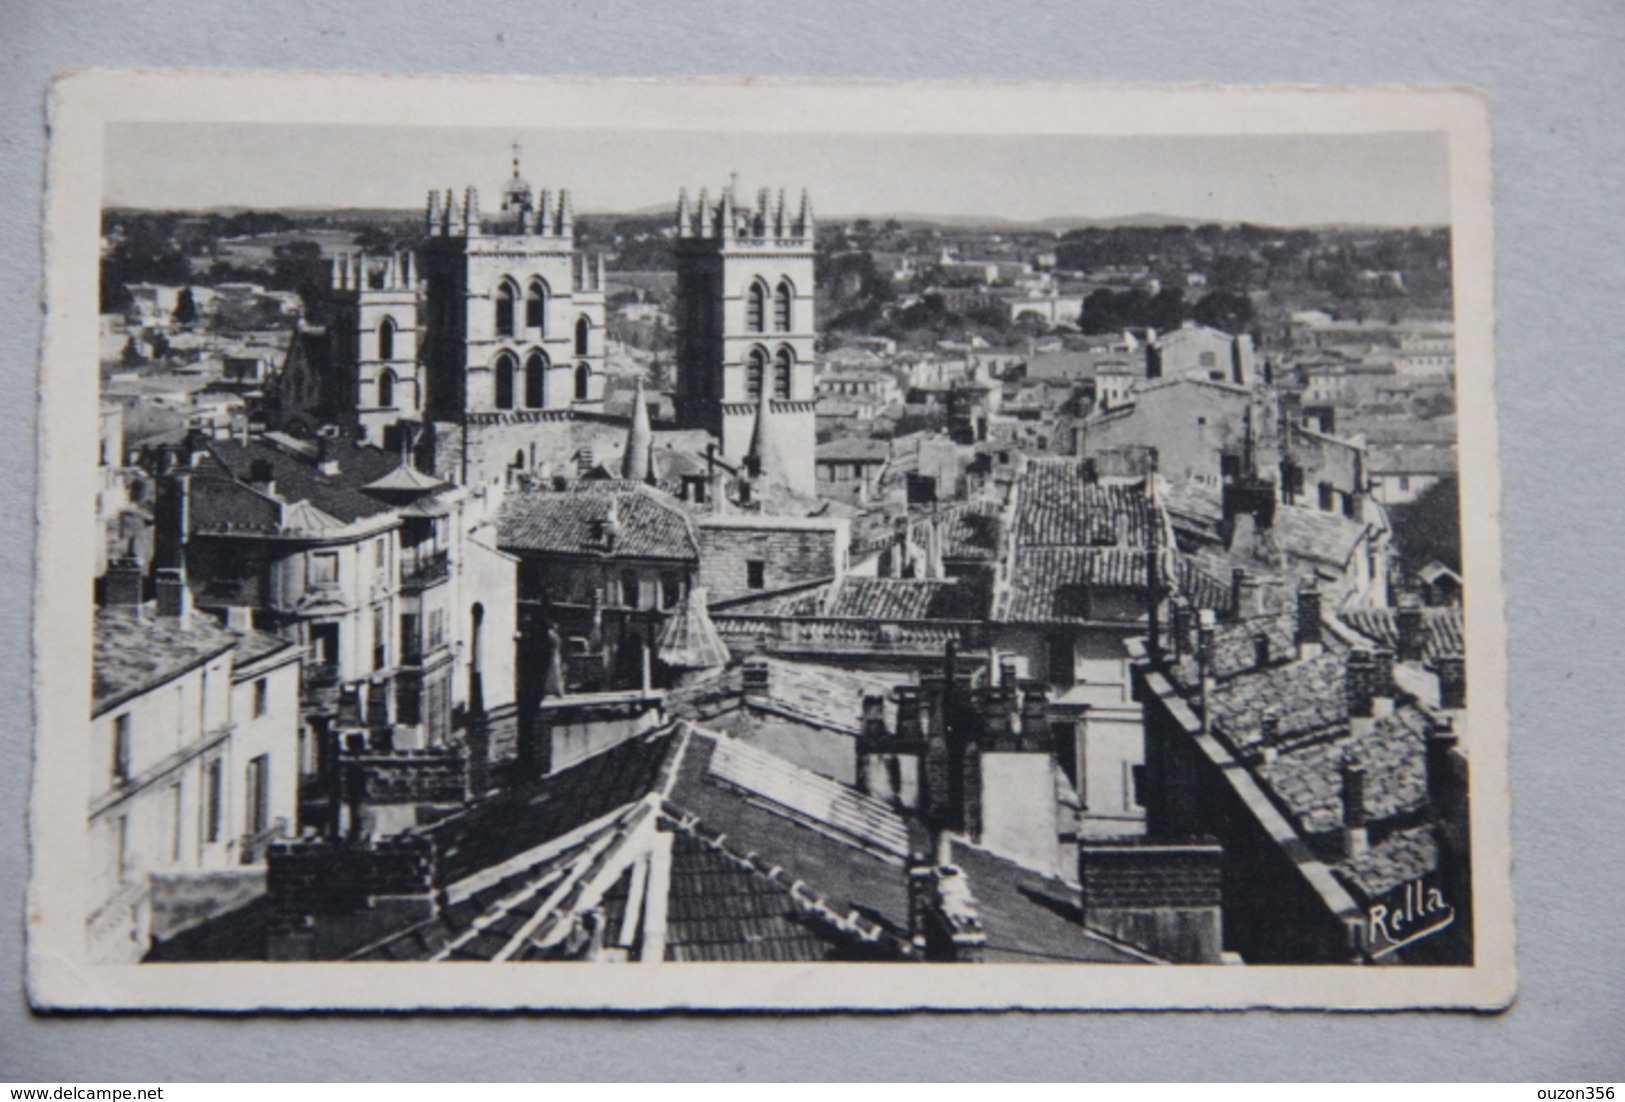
[[745, 329], [515, 322], [376, 330]]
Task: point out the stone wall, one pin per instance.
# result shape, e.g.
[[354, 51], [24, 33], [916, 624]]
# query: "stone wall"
[[792, 551]]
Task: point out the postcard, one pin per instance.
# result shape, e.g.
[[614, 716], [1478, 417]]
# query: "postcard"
[[740, 544]]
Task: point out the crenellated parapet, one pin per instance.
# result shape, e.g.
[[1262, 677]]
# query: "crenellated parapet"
[[770, 222], [551, 214]]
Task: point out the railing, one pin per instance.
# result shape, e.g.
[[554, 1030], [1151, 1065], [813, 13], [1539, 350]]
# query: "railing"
[[422, 571], [321, 675], [811, 635], [253, 846]]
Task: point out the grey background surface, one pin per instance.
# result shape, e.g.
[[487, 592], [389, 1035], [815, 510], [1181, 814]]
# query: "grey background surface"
[[1554, 74]]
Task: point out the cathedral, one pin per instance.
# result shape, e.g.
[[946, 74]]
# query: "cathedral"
[[483, 353]]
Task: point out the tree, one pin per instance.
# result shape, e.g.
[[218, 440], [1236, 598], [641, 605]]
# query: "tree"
[[185, 307], [1225, 310], [1429, 528]]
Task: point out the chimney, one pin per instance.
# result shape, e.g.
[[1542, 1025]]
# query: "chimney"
[[945, 923], [874, 716], [1356, 838], [1441, 780], [1181, 630], [1244, 594], [754, 677], [1261, 650], [1269, 736], [122, 584], [1452, 672], [1383, 692], [1309, 629], [327, 460], [174, 596], [261, 478], [1359, 685], [1409, 628], [1035, 711], [909, 725]]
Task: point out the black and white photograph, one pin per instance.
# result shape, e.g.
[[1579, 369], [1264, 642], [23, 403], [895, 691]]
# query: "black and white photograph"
[[799, 535]]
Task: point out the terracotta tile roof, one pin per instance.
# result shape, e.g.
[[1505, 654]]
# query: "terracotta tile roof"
[[135, 653], [1307, 779], [1235, 646], [1051, 584], [970, 531], [854, 449], [904, 599], [1032, 918], [513, 821], [823, 696], [1444, 628], [768, 863], [341, 495], [1403, 856], [1298, 530], [876, 599], [1055, 507], [721, 909], [651, 525]]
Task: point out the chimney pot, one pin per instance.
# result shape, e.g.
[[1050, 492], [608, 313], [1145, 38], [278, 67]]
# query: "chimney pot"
[[1356, 837], [1452, 673], [1309, 638]]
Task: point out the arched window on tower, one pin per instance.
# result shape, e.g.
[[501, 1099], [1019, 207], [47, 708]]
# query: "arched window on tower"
[[507, 296], [386, 389], [386, 339], [756, 308], [536, 305], [784, 366], [755, 371], [505, 373], [583, 382], [535, 381], [784, 301], [583, 335]]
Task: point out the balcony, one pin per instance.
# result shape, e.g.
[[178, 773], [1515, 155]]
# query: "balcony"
[[253, 846], [419, 572]]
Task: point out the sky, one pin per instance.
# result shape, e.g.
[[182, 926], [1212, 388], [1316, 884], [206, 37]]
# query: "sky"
[[1283, 180]]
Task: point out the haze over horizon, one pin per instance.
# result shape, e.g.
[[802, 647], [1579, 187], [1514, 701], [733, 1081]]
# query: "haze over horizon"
[[1384, 179]]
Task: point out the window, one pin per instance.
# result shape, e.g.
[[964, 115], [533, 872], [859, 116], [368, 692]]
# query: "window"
[[783, 306], [671, 589], [121, 749], [177, 798], [380, 554], [214, 776], [756, 308], [262, 697], [504, 381], [755, 370], [583, 382], [121, 847], [1061, 668], [324, 568], [535, 381], [536, 305], [629, 589], [437, 627], [380, 638], [784, 365], [259, 794], [756, 574], [386, 340], [1135, 793], [386, 389], [583, 336], [507, 295], [1207, 359]]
